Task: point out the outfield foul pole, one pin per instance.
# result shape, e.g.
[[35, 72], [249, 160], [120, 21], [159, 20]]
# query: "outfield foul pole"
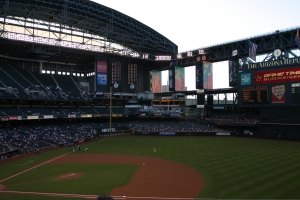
[[110, 112]]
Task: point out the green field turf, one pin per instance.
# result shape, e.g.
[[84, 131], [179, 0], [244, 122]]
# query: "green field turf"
[[97, 179], [233, 168]]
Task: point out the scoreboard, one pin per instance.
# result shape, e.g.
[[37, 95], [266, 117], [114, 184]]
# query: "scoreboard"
[[254, 95], [295, 93], [267, 86]]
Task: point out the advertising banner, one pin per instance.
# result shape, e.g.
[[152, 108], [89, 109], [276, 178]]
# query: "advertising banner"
[[103, 115], [167, 133], [48, 116], [207, 75], [116, 115], [101, 79], [223, 133], [101, 73], [101, 67], [278, 94], [13, 118], [171, 79], [86, 115], [277, 76], [199, 75], [107, 130], [246, 79], [4, 118], [32, 117], [179, 78], [156, 81]]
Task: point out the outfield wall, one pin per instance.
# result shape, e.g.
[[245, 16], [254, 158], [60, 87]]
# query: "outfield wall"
[[272, 131], [268, 131], [184, 133]]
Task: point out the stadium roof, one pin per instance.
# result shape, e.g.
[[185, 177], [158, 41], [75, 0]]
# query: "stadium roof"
[[84, 20]]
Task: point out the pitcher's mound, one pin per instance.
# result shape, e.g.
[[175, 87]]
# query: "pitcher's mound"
[[70, 175]]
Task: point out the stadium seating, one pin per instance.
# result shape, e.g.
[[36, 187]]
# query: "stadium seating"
[[49, 83], [36, 87], [12, 111], [10, 80], [23, 84], [68, 87], [87, 110], [102, 110]]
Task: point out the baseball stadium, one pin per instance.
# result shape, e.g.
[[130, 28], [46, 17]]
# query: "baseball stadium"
[[84, 114]]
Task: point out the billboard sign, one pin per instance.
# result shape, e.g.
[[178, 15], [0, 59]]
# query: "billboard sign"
[[207, 75], [277, 76], [101, 79], [156, 81], [179, 78], [246, 79], [101, 73], [199, 75], [101, 67], [171, 79], [278, 94]]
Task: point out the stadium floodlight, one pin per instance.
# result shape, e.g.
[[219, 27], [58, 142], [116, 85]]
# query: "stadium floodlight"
[[234, 52]]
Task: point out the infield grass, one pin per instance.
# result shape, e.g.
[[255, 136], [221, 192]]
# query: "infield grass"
[[97, 179], [233, 168]]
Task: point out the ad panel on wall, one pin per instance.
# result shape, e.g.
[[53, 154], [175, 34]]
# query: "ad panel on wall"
[[199, 75], [179, 78], [101, 73], [156, 81], [207, 75]]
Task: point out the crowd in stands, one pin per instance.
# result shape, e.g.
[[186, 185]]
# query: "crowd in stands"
[[218, 119], [58, 111], [169, 126], [26, 139]]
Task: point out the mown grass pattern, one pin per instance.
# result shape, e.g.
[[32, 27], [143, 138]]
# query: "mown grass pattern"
[[23, 164], [233, 168], [96, 179]]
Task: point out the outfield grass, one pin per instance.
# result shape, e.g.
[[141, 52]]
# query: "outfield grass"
[[233, 168]]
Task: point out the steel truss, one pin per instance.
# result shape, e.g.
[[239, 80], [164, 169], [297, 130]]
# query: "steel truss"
[[267, 43], [93, 21]]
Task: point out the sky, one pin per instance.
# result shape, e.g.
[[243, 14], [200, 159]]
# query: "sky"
[[193, 24]]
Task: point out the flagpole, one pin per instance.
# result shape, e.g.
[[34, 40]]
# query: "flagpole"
[[110, 112]]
